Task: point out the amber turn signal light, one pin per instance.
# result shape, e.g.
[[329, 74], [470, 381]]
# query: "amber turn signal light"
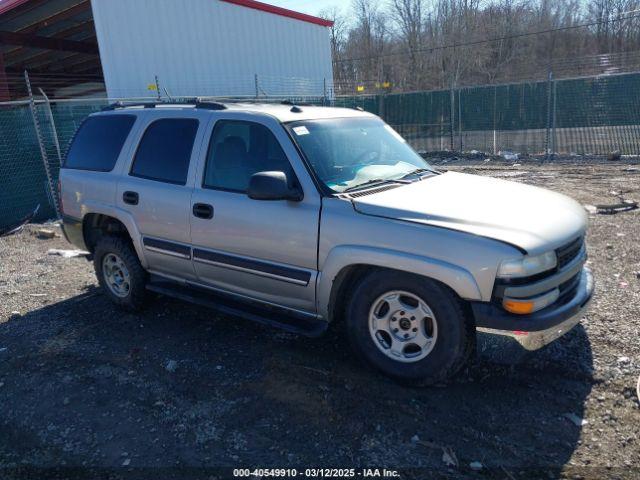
[[519, 307]]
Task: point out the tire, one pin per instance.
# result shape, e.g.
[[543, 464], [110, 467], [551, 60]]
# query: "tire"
[[440, 319], [117, 254]]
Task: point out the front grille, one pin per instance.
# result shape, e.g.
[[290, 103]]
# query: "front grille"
[[568, 288], [568, 253]]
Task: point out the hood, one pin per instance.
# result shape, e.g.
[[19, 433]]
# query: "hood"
[[531, 218]]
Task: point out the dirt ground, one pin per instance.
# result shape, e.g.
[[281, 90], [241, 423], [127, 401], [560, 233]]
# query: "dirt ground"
[[86, 388]]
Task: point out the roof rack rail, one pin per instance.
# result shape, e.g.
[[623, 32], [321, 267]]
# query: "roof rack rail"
[[197, 101], [116, 105]]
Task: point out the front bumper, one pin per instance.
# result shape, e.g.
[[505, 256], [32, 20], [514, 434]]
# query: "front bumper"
[[538, 329]]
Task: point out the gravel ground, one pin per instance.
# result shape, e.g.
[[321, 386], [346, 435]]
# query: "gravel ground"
[[86, 387]]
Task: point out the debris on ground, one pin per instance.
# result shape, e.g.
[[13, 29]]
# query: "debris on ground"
[[576, 420], [171, 366], [614, 156], [19, 225], [67, 253], [591, 208], [45, 234], [449, 457], [624, 206], [509, 156], [476, 466]]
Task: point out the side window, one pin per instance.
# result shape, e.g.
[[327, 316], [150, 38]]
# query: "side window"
[[165, 150], [237, 150], [98, 142]]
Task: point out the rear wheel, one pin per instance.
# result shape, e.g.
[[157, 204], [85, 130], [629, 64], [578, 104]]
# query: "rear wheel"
[[409, 327], [120, 273]]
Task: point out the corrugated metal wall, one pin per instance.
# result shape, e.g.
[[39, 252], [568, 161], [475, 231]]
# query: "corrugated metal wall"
[[208, 47]]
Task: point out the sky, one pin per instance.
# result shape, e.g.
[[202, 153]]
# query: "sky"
[[311, 7]]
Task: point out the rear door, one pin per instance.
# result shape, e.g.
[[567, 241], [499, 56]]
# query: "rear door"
[[265, 250], [156, 189]]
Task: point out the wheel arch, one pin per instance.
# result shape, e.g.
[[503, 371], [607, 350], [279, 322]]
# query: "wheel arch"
[[98, 222], [345, 265]]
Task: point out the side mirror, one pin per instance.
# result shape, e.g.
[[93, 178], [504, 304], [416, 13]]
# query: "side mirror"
[[272, 186]]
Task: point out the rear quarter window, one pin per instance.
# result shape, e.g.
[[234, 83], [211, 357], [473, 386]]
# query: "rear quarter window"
[[98, 142]]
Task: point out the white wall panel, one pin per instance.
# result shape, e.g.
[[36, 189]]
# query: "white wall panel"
[[208, 47]]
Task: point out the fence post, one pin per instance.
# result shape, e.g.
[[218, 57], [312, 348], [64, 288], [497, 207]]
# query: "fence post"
[[460, 118], [547, 141], [43, 150], [452, 117], [495, 108], [255, 78], [54, 130], [324, 92], [158, 88], [553, 120]]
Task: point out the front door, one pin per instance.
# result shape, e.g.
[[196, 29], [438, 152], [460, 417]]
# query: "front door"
[[157, 191], [266, 250]]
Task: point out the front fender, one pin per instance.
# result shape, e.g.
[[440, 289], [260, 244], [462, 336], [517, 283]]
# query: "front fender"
[[458, 279], [127, 220]]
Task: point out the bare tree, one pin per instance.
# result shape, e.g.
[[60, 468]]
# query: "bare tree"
[[367, 39], [408, 16], [338, 38], [429, 44]]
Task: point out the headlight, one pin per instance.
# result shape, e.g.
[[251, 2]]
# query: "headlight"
[[527, 266]]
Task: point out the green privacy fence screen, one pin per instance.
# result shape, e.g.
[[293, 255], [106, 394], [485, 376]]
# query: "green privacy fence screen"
[[584, 116], [23, 180], [572, 117]]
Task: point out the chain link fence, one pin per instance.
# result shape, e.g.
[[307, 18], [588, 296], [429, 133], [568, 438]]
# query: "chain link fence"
[[592, 116]]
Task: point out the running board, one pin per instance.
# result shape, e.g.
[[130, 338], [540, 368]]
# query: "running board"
[[230, 305]]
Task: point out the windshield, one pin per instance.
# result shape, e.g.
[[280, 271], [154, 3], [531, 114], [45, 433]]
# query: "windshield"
[[349, 152]]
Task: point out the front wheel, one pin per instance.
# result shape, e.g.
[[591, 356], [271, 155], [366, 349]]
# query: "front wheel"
[[409, 327], [120, 273]]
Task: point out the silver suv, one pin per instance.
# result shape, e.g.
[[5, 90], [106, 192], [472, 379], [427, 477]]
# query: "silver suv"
[[301, 216]]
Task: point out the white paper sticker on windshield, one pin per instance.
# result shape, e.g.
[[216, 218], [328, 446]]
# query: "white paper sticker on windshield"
[[395, 134], [301, 130]]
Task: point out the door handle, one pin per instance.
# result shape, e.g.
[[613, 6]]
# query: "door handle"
[[132, 198], [203, 210]]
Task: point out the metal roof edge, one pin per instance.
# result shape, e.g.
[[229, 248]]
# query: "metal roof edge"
[[283, 12]]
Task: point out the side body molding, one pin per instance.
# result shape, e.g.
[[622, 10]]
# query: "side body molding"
[[459, 279], [125, 217]]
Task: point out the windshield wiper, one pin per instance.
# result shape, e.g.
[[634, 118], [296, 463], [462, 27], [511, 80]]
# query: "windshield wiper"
[[377, 181], [418, 171]]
